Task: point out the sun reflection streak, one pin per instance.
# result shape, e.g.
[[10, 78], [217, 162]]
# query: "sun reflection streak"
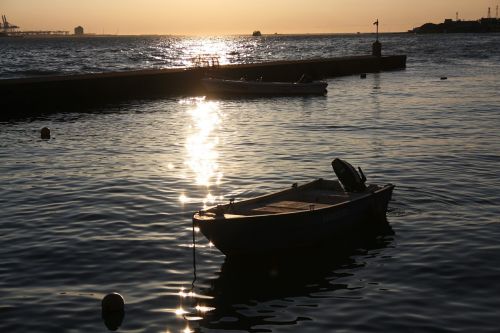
[[204, 47], [204, 309], [180, 311], [184, 294], [201, 145], [183, 198], [193, 312]]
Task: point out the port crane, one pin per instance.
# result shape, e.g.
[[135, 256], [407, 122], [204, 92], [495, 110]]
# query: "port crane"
[[9, 29], [6, 27]]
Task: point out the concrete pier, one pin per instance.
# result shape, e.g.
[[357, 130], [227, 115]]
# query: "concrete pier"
[[31, 96]]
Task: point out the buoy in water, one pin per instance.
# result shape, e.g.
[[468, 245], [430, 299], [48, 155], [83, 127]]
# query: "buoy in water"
[[113, 311], [113, 303], [45, 133], [444, 78], [363, 76]]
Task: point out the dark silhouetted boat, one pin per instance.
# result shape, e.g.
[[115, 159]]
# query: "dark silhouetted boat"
[[300, 217], [215, 86]]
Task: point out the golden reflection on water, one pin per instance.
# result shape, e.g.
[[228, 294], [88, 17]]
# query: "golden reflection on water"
[[183, 198], [184, 294], [204, 309], [190, 308], [187, 330], [217, 47], [180, 311], [201, 162], [201, 145]]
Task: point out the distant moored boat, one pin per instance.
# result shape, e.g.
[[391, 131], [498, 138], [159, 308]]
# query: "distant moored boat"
[[216, 86]]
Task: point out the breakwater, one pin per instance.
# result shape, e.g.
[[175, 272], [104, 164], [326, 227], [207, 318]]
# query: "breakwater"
[[53, 93]]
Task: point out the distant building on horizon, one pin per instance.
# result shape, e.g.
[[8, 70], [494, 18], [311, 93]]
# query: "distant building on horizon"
[[79, 30]]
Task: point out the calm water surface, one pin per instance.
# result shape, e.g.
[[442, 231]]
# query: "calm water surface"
[[106, 204]]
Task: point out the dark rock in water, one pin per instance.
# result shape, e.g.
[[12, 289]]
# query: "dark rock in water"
[[444, 78], [45, 133]]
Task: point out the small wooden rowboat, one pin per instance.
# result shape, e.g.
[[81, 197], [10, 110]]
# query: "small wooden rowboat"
[[299, 217], [215, 86]]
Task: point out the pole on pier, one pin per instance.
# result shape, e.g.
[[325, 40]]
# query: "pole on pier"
[[377, 46]]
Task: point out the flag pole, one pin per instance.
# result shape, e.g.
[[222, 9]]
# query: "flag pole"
[[376, 47]]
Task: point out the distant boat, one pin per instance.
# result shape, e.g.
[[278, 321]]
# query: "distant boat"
[[216, 86], [256, 33], [299, 217]]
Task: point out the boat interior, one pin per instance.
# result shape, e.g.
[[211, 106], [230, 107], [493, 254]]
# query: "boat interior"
[[316, 195]]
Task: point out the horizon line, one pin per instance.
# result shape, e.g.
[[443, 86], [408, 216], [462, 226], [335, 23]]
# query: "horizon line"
[[91, 34]]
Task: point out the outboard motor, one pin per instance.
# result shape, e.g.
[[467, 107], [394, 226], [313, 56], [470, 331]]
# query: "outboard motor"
[[351, 180]]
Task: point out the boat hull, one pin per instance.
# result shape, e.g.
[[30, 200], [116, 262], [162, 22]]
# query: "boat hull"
[[277, 233], [242, 87]]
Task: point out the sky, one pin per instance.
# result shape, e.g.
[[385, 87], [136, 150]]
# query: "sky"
[[226, 17]]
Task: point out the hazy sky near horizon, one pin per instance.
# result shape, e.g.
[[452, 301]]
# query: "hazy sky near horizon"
[[214, 17]]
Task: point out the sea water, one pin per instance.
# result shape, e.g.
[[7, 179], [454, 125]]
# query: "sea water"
[[105, 205]]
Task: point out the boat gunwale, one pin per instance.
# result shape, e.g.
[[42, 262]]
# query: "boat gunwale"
[[231, 87], [265, 83], [246, 218]]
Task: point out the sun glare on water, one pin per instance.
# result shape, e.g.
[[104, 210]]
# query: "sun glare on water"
[[207, 49], [201, 144]]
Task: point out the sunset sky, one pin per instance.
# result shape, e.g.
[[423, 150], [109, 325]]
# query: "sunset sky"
[[214, 17]]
